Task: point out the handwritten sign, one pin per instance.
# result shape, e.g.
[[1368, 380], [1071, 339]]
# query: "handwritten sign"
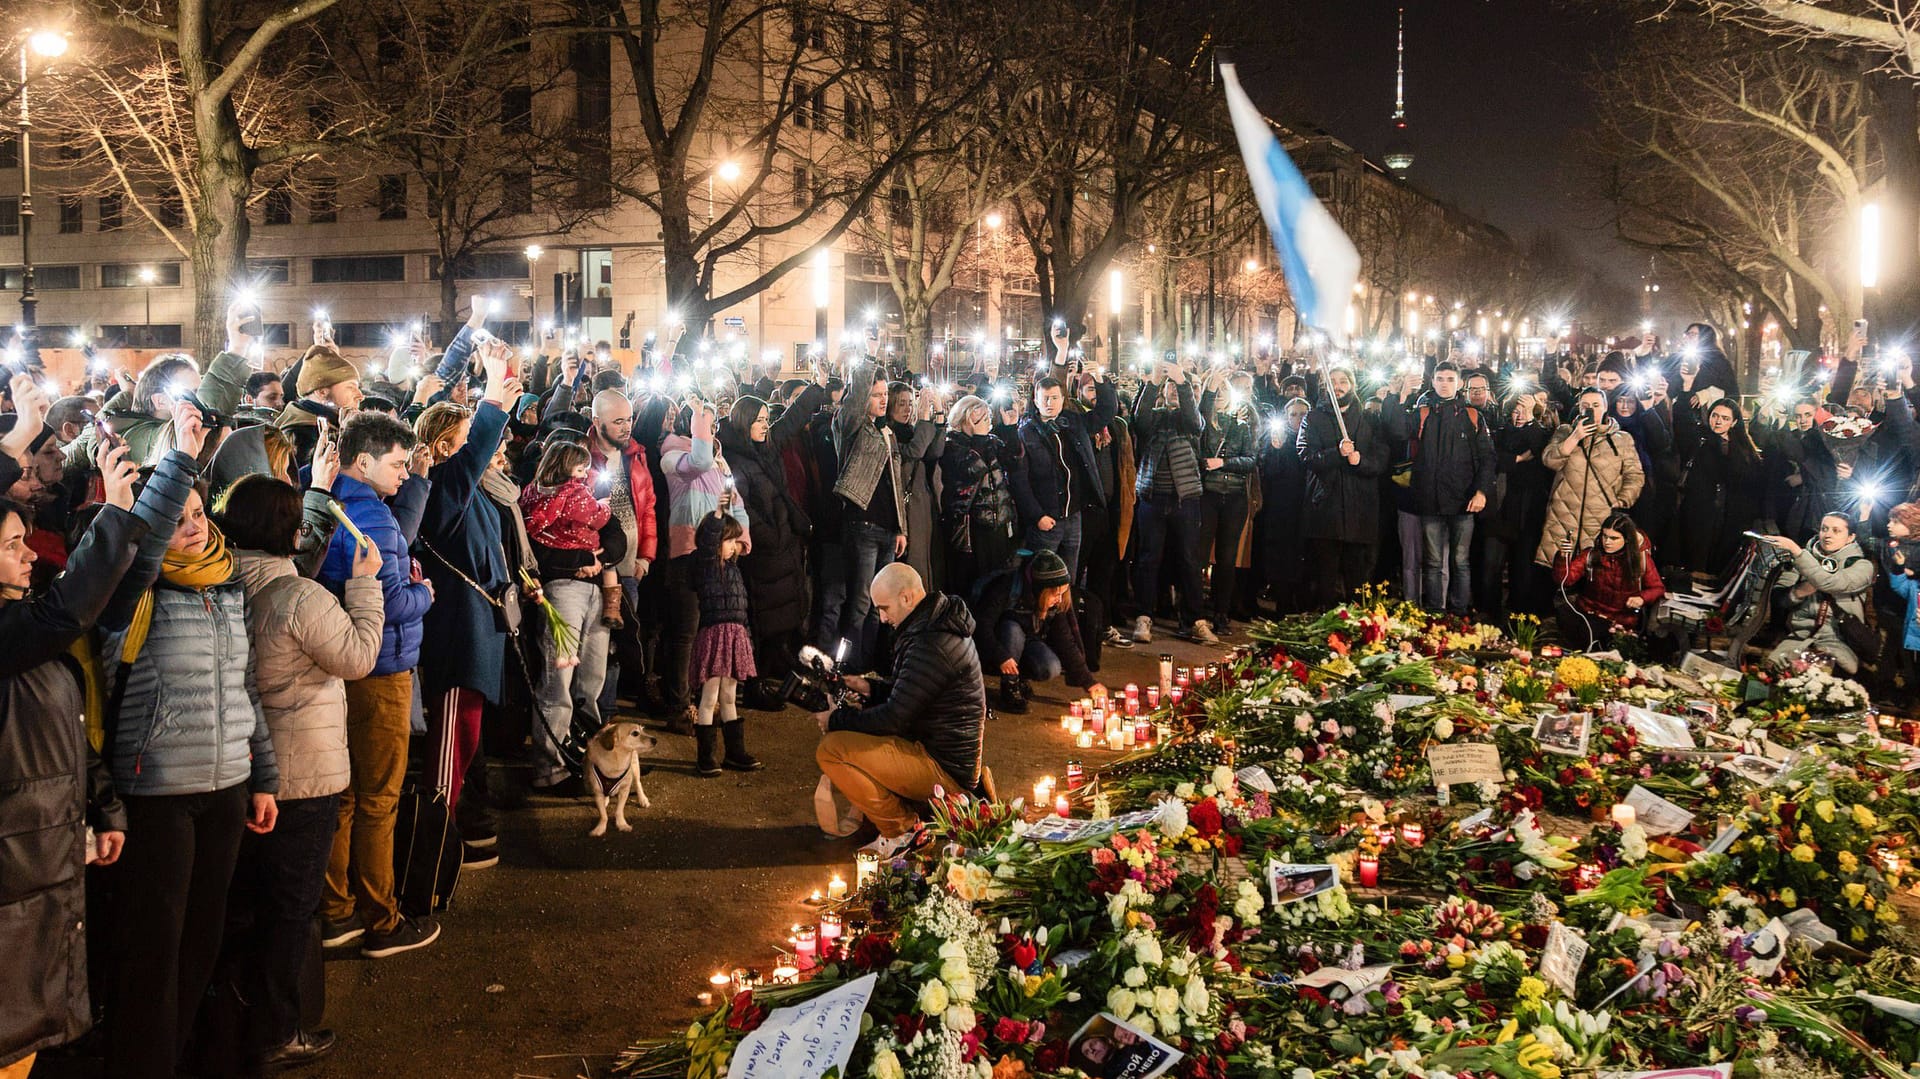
[[1465, 762], [1560, 960], [1657, 815], [805, 1041]]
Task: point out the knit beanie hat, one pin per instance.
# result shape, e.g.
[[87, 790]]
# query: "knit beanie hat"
[[1047, 570], [323, 368]]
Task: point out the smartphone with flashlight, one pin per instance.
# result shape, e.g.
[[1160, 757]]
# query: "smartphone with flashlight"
[[104, 432], [250, 322]]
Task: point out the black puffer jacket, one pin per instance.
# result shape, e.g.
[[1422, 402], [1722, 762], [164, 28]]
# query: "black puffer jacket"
[[1451, 450], [52, 785], [776, 568], [721, 587], [1229, 436], [977, 510], [936, 696], [1343, 500], [1167, 440]]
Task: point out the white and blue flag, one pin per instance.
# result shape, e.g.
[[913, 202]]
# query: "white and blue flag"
[[1320, 262]]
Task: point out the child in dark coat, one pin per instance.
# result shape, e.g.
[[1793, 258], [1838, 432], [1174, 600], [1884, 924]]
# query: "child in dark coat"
[[723, 649]]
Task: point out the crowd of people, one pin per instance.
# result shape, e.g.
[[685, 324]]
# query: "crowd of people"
[[273, 596]]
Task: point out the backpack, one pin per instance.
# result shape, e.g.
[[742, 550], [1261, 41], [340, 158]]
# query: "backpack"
[[1403, 472]]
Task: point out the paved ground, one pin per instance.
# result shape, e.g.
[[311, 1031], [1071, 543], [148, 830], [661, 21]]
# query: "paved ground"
[[572, 947]]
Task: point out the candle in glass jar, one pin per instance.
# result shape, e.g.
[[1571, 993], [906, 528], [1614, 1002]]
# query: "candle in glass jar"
[[1085, 741], [1133, 691], [806, 946], [1133, 706], [1624, 814], [744, 979], [1066, 721], [1086, 705], [786, 975], [1163, 733], [1041, 794], [1127, 737], [1076, 773], [1099, 721], [1368, 867], [866, 866], [1153, 697], [1074, 724], [1074, 709], [1166, 673], [1182, 677], [1115, 740], [1413, 833], [836, 888], [1178, 692], [830, 929], [1142, 731], [1061, 806]]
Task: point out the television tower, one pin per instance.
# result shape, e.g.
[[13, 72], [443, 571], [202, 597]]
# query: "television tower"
[[1399, 154]]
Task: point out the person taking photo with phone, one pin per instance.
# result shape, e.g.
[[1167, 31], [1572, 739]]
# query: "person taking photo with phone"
[[1597, 470]]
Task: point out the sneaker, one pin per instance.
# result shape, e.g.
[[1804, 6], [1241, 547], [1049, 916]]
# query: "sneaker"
[[888, 848], [343, 932], [411, 933], [484, 840], [472, 857], [1117, 639], [305, 1047], [1143, 630], [1203, 632]]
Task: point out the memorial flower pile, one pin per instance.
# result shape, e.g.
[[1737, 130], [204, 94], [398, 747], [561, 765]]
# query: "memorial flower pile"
[[1387, 845]]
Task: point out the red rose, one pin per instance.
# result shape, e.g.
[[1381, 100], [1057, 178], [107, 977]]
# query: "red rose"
[[1010, 1030], [1052, 1056], [872, 951], [743, 1014], [1204, 817]]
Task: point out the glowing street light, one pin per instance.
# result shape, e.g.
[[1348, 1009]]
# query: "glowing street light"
[[993, 219], [1870, 245], [728, 171], [48, 43]]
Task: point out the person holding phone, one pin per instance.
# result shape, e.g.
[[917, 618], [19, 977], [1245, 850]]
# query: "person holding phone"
[[1597, 470], [1720, 492], [143, 414]]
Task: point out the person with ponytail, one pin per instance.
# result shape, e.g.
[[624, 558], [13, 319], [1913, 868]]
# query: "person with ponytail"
[[53, 787], [192, 757], [1607, 587]]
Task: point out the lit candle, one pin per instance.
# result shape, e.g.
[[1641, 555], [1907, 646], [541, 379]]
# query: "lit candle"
[[806, 945], [1624, 814], [1062, 807], [1383, 835], [816, 898], [1178, 692], [786, 975], [1585, 876], [836, 888], [1181, 677], [1153, 697], [1085, 741], [1099, 721], [1086, 705], [744, 979], [1127, 736], [1166, 673], [830, 929], [1414, 833], [1042, 793], [1163, 733], [1115, 740], [1133, 706], [1133, 691], [1074, 709], [1066, 721], [720, 981], [866, 866], [1076, 773], [1369, 870], [1142, 731], [1074, 724]]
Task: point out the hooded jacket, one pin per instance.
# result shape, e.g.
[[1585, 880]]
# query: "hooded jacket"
[[935, 696], [1451, 449], [1343, 499]]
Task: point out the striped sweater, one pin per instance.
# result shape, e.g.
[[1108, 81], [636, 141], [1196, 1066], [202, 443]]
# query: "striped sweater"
[[694, 485]]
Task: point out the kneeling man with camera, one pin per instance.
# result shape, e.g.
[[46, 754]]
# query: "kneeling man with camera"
[[922, 728]]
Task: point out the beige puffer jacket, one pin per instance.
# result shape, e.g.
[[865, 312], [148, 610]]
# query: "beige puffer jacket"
[[1605, 469], [306, 644]]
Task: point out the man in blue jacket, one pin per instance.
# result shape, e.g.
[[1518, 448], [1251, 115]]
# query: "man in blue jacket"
[[375, 450]]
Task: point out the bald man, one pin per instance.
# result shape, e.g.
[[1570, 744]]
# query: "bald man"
[[922, 728], [624, 480]]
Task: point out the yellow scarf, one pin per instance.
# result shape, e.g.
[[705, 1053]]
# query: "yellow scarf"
[[209, 566]]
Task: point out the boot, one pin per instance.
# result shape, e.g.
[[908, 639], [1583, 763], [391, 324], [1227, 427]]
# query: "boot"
[[1013, 695], [734, 732], [682, 722], [708, 737]]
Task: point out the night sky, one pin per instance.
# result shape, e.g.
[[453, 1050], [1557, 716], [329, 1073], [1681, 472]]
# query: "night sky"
[[1494, 100]]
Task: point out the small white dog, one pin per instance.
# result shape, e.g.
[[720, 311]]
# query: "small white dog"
[[613, 771]]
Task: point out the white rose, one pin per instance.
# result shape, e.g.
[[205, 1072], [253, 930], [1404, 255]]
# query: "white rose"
[[1194, 998], [1147, 950], [933, 997], [1184, 792], [1134, 978], [1443, 728], [953, 949], [1122, 1002], [1169, 1023], [1166, 1000], [1223, 777], [953, 970], [886, 1066], [959, 1019]]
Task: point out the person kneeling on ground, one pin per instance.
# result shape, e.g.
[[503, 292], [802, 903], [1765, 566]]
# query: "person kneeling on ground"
[[1829, 577], [1027, 629], [1609, 587], [922, 728]]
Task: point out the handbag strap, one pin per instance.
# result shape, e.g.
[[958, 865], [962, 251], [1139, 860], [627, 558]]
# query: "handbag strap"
[[471, 583]]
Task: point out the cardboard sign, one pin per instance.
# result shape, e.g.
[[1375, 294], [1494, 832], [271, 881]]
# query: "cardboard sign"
[[1655, 814], [805, 1041], [1465, 762], [1560, 960], [1659, 730]]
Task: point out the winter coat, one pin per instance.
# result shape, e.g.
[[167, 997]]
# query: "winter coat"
[[1606, 592], [464, 643], [935, 695], [921, 445], [694, 486], [1451, 449], [644, 486], [1168, 442], [1229, 436], [221, 388], [1904, 586], [978, 513], [1719, 499], [721, 587], [776, 568], [567, 517], [1008, 597], [1521, 514], [52, 786], [406, 600], [1601, 475], [1842, 579], [1343, 500], [1283, 505], [864, 450], [187, 718], [1050, 451], [305, 644]]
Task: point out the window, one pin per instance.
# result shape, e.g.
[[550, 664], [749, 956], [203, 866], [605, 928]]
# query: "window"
[[270, 271], [802, 185], [802, 105], [72, 214], [277, 207], [351, 270], [857, 117], [366, 335], [516, 110], [111, 212], [9, 216], [45, 279], [276, 333], [127, 274], [139, 335], [9, 151], [857, 38], [392, 199], [168, 210], [516, 192], [486, 266], [899, 206], [323, 205], [808, 29]]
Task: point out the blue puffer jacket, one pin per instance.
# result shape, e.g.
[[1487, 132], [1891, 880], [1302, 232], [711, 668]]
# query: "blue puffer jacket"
[[407, 600], [188, 719], [1907, 588]]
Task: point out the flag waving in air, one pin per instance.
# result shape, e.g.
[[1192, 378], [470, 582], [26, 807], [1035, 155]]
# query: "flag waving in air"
[[1320, 262]]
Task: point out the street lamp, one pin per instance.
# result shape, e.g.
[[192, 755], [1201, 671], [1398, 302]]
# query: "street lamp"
[[533, 253], [822, 294], [47, 44], [725, 170], [147, 278], [1870, 245]]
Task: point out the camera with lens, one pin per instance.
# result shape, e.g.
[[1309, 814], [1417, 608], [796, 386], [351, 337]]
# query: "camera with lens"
[[815, 684]]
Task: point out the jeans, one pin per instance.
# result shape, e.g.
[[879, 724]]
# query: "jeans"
[[556, 747], [627, 639], [869, 548], [1156, 519], [1446, 557], [1410, 558], [171, 911], [1063, 540], [682, 618], [360, 869], [1095, 589], [275, 895], [1037, 661], [832, 595], [1223, 517], [882, 775]]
